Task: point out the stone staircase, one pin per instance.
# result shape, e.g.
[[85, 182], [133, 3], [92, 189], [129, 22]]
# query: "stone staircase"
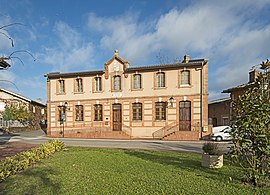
[[166, 131]]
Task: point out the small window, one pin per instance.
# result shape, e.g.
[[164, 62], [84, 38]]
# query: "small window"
[[117, 83], [79, 85], [160, 79], [79, 113], [185, 77], [61, 86], [98, 112], [137, 111], [226, 121], [98, 85], [137, 84], [160, 110]]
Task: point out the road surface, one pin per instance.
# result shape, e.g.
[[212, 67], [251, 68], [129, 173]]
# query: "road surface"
[[38, 137]]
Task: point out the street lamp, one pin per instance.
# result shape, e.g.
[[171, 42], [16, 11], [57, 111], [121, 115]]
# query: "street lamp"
[[171, 101], [63, 116]]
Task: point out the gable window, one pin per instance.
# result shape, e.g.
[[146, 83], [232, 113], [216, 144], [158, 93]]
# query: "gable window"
[[79, 85], [137, 82], [98, 112], [79, 113], [117, 83], [98, 85], [160, 110], [185, 77], [160, 79], [61, 86], [137, 111]]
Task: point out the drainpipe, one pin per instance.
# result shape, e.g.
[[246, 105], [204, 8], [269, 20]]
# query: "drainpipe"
[[201, 100]]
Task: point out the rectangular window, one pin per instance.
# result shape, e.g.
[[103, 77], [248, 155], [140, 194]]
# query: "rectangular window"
[[98, 86], [137, 111], [137, 81], [160, 79], [79, 85], [61, 86], [160, 110], [226, 121], [98, 112], [185, 77], [79, 113], [116, 83]]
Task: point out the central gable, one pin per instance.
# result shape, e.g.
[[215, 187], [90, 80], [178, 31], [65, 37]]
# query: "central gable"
[[115, 65]]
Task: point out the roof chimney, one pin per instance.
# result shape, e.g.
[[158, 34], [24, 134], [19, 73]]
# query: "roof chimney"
[[253, 74], [186, 59]]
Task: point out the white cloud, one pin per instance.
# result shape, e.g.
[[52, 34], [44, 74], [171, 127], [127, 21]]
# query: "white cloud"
[[230, 34], [69, 51]]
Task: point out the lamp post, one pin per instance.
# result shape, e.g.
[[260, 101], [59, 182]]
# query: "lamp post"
[[63, 117]]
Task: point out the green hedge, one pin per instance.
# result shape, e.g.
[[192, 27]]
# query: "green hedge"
[[11, 165]]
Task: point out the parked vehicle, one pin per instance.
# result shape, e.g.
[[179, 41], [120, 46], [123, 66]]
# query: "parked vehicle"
[[224, 133]]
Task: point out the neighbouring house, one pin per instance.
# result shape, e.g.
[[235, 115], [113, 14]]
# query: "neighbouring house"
[[239, 90], [165, 101], [37, 108], [219, 112]]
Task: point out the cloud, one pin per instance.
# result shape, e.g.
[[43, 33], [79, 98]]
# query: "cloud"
[[233, 35], [70, 51]]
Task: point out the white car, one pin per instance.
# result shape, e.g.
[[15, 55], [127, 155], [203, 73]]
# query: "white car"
[[223, 134]]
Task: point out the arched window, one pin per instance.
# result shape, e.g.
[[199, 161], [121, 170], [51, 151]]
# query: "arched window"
[[61, 86], [117, 83], [185, 77], [137, 84], [137, 111], [79, 85], [79, 113], [160, 110], [161, 79], [98, 84], [98, 112]]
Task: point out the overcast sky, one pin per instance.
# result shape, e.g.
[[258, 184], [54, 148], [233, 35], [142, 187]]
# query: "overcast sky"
[[65, 35]]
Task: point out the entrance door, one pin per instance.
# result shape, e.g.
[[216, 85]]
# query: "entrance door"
[[185, 116], [117, 117]]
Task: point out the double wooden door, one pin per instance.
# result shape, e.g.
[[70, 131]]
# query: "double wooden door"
[[117, 117], [185, 116]]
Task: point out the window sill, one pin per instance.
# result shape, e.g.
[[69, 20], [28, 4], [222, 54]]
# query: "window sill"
[[138, 121], [60, 93], [117, 90], [78, 121], [185, 86], [140, 89], [98, 91], [78, 92], [160, 120], [157, 88]]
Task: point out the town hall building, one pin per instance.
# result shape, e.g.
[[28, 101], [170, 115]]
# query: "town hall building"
[[165, 101]]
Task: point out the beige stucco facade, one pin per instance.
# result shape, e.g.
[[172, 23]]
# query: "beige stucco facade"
[[148, 95]]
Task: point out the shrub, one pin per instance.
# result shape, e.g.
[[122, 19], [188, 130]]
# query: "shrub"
[[211, 148], [11, 165]]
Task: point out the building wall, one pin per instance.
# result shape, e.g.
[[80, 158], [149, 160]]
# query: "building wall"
[[220, 112], [147, 95]]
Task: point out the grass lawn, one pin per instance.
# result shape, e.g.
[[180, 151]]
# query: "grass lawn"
[[112, 171]]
